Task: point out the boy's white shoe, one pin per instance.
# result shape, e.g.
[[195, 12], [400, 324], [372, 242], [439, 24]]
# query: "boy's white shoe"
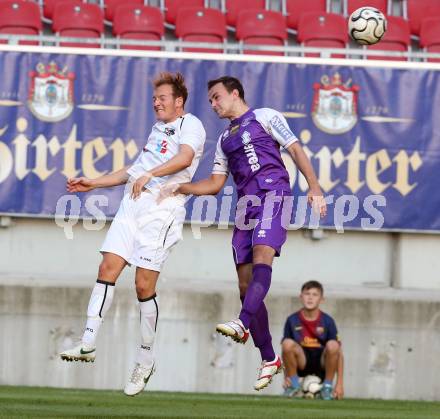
[[79, 353], [139, 379]]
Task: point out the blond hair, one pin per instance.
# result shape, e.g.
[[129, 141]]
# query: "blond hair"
[[176, 81]]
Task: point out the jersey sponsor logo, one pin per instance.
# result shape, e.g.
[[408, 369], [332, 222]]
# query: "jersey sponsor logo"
[[169, 131], [309, 342], [246, 122], [261, 234], [251, 155], [162, 146], [280, 128], [246, 137], [249, 150]]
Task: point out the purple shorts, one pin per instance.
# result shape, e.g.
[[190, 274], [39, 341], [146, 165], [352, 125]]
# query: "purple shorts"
[[258, 225]]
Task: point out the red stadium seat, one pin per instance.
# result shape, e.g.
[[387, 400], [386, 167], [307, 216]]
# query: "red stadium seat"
[[256, 27], [49, 7], [172, 8], [198, 24], [417, 10], [138, 22], [396, 38], [80, 21], [234, 7], [111, 5], [325, 30], [20, 18], [351, 5], [296, 8], [430, 36]]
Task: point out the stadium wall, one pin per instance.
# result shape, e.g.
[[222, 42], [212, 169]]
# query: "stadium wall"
[[37, 250], [388, 313]]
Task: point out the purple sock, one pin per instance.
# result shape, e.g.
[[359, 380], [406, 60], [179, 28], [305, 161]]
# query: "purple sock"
[[260, 333], [257, 290]]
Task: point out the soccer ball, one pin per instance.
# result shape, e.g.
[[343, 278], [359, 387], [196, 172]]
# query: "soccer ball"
[[311, 386], [367, 25]]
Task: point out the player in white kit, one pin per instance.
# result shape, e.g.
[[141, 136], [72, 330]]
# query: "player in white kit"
[[144, 230]]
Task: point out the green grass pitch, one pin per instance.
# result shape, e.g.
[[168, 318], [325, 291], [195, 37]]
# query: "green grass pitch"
[[34, 402]]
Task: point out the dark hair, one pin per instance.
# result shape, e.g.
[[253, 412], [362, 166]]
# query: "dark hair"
[[312, 284], [176, 81], [230, 83]]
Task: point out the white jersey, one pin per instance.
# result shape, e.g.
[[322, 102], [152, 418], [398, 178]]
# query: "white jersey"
[[163, 144]]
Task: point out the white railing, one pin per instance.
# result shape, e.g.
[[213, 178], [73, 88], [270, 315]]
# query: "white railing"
[[229, 48]]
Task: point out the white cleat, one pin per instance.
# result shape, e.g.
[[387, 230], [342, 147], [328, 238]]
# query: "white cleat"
[[139, 379], [79, 353], [267, 372], [235, 330]]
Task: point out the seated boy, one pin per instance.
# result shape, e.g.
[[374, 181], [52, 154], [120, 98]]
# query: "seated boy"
[[311, 345]]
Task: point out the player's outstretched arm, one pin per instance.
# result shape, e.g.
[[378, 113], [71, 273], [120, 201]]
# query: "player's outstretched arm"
[[210, 186], [83, 184], [315, 195]]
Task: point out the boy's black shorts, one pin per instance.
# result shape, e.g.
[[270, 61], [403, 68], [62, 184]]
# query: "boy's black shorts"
[[314, 364]]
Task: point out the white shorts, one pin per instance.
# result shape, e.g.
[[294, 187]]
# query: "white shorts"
[[143, 232]]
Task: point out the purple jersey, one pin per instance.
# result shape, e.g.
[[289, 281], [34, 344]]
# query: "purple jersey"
[[250, 149]]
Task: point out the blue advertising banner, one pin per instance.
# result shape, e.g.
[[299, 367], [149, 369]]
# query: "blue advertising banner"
[[371, 133]]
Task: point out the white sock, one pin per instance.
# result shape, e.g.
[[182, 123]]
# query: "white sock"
[[149, 311], [100, 301]]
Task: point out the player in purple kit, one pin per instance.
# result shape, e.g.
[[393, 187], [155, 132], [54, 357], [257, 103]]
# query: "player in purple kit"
[[249, 149]]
